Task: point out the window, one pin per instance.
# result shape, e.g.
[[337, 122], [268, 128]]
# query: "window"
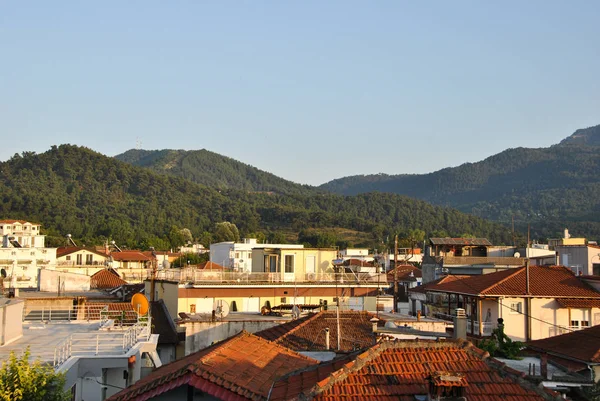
[[69, 257], [574, 323], [249, 255], [193, 308], [516, 307], [271, 263], [289, 263], [585, 323], [79, 259], [88, 259], [596, 269], [237, 255]]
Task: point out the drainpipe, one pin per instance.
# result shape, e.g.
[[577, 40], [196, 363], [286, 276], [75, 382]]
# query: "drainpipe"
[[327, 339]]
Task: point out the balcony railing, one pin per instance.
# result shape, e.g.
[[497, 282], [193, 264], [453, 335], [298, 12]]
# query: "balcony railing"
[[558, 330], [114, 342], [483, 260], [190, 275]]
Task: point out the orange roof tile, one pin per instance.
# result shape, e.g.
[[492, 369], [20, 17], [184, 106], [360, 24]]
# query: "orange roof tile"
[[210, 266], [404, 272], [9, 221], [399, 370], [308, 333], [242, 367], [67, 250], [544, 281], [130, 256], [582, 345], [106, 278]]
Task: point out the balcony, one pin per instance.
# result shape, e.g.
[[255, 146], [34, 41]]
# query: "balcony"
[[473, 329], [191, 275]]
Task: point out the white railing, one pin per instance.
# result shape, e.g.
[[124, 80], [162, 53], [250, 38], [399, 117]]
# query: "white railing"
[[114, 342], [558, 330], [191, 275], [89, 312], [486, 328]]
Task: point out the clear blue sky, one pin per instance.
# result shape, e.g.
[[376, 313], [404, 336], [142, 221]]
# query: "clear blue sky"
[[308, 90]]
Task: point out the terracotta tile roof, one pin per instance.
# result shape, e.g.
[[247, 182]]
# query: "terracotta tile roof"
[[404, 272], [399, 370], [130, 256], [240, 368], [67, 250], [433, 284], [114, 310], [544, 281], [17, 221], [210, 266], [358, 262], [293, 384], [308, 334], [582, 345], [106, 279], [578, 303]]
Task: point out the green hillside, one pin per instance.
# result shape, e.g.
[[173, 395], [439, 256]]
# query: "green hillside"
[[75, 190], [213, 170], [551, 188]]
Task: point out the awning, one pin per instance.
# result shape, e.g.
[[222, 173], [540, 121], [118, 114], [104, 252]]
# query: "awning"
[[579, 303]]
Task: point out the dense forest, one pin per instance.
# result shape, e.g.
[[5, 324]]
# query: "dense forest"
[[213, 170], [548, 188], [74, 190]]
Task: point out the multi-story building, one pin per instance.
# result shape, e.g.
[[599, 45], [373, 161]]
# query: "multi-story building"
[[23, 252], [238, 255]]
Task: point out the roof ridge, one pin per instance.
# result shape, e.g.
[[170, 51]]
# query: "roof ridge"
[[513, 274], [296, 328]]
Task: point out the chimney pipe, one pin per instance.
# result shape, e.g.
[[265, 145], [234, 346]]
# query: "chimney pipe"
[[374, 321], [327, 339], [460, 324]]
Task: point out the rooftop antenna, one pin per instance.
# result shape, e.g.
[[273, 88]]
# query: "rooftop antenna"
[[71, 240]]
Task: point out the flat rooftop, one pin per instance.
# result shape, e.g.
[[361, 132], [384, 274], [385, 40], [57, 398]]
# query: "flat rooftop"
[[43, 338]]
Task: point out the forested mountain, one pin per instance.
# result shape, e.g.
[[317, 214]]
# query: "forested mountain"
[[548, 187], [74, 190], [213, 170]]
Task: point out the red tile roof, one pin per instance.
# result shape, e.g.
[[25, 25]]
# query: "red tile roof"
[[308, 334], [210, 266], [578, 303], [404, 272], [130, 256], [106, 279], [240, 368], [544, 281], [111, 310], [17, 221], [399, 370], [67, 250], [582, 345], [358, 262]]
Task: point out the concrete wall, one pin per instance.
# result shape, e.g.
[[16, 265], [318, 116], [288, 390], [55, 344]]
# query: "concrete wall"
[[578, 258], [49, 280], [11, 315], [200, 335], [168, 291]]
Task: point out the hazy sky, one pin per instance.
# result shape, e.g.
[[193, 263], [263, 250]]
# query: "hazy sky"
[[308, 90]]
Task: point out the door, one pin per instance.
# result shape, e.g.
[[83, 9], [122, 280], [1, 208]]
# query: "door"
[[289, 268], [251, 305], [311, 268]]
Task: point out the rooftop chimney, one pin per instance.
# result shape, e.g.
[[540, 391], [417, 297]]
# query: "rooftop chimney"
[[460, 324], [374, 321], [327, 339]]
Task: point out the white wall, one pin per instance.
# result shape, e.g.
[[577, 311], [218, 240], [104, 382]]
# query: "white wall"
[[50, 279]]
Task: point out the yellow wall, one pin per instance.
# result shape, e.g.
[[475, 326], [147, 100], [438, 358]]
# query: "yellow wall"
[[573, 241]]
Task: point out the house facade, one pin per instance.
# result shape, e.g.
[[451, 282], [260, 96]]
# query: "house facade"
[[583, 259], [23, 252], [535, 302], [238, 255], [294, 264]]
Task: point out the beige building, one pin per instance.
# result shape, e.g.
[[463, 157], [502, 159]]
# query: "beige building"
[[293, 264], [583, 259], [551, 301]]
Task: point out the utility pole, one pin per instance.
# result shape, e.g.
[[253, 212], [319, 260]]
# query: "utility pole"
[[396, 273], [153, 274]]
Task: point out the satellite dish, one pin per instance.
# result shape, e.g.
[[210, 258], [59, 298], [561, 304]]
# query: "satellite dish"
[[166, 264], [295, 312], [3, 273], [221, 308], [140, 304], [517, 255]]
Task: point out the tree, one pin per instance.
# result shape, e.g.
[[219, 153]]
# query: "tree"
[[21, 380], [226, 231]]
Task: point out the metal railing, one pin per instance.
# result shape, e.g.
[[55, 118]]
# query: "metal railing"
[[558, 330], [486, 328], [191, 275], [483, 260], [114, 342], [89, 312]]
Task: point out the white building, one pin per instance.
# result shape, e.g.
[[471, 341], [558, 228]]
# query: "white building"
[[238, 255], [23, 252]]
